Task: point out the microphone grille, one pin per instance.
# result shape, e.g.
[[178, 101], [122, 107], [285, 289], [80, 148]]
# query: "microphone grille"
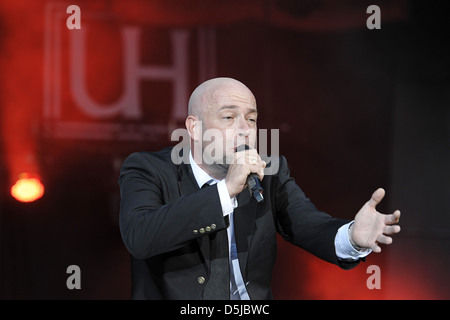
[[242, 147]]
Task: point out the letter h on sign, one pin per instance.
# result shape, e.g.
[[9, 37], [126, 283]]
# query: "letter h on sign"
[[129, 105]]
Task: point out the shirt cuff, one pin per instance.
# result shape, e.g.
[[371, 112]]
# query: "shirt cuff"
[[344, 249], [228, 204]]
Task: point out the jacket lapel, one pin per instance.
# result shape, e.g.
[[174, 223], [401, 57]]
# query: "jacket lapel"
[[187, 185], [244, 222], [186, 182]]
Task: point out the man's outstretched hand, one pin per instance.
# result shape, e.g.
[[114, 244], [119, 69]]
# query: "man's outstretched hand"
[[372, 227]]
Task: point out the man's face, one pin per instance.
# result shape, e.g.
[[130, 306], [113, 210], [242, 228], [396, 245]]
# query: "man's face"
[[228, 121]]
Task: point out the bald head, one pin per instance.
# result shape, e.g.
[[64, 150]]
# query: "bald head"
[[222, 115], [211, 92]]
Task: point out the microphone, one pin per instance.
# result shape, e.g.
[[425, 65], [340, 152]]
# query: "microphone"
[[254, 185]]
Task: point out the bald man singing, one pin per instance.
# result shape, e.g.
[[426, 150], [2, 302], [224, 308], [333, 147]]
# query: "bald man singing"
[[195, 232]]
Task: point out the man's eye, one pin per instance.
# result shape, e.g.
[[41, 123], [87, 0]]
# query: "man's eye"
[[228, 118]]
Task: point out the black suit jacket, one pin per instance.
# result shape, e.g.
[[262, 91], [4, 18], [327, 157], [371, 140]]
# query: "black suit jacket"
[[162, 210]]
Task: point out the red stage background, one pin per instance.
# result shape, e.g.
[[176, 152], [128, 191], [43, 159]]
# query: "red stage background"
[[357, 109]]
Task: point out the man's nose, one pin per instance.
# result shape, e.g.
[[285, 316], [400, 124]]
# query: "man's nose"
[[243, 127]]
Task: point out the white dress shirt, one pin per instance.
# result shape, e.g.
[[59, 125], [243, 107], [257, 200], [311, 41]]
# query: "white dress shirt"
[[238, 291]]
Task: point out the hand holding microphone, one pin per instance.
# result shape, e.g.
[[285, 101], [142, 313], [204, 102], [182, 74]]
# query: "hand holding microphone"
[[246, 170]]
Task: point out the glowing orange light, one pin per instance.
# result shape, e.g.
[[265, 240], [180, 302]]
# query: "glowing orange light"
[[27, 189]]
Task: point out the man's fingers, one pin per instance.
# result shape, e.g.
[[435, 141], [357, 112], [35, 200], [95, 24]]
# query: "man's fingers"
[[376, 198], [258, 170], [384, 239], [252, 158], [261, 167], [375, 248], [394, 218], [391, 229]]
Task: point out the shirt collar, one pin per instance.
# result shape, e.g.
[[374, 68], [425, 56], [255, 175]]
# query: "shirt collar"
[[200, 175]]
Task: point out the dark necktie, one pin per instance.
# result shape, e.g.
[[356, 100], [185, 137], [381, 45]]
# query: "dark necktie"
[[218, 284]]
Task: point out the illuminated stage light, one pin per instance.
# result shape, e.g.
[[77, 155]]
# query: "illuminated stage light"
[[27, 188]]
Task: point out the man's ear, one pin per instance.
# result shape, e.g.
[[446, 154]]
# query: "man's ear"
[[193, 126]]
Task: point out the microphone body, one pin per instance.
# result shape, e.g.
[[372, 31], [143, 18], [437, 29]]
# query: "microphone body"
[[254, 185]]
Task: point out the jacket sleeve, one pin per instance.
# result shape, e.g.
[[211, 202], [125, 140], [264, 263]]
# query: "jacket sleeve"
[[301, 223], [149, 223]]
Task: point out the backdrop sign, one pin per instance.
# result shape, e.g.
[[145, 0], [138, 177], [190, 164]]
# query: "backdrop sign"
[[110, 80]]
